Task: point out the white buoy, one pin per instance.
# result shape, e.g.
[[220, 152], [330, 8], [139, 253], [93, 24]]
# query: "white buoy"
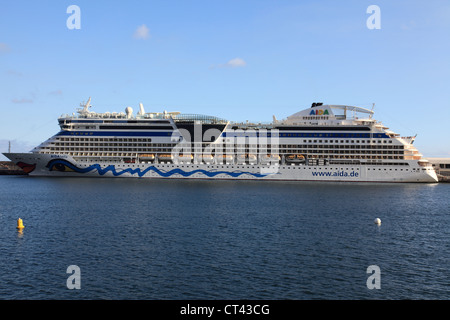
[[377, 221]]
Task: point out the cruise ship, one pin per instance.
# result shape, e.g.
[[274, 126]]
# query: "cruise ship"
[[321, 143]]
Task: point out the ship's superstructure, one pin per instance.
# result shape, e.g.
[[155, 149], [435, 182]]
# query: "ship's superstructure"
[[321, 143]]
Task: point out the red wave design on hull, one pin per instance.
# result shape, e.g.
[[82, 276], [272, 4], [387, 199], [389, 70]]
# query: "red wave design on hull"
[[27, 168]]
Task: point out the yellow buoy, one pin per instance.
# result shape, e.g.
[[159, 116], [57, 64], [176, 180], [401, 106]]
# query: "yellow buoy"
[[20, 225], [377, 221]]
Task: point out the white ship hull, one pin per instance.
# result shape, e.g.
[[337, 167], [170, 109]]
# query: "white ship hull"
[[321, 143], [36, 164]]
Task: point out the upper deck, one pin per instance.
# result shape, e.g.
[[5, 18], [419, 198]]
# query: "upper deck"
[[85, 115], [330, 115], [321, 115], [318, 115]]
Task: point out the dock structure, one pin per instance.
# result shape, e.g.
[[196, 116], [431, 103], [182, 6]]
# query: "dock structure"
[[442, 168], [9, 168]]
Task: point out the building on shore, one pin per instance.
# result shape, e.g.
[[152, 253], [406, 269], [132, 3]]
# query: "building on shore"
[[442, 168]]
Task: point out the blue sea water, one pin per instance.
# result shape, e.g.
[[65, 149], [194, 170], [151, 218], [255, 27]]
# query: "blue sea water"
[[183, 239]]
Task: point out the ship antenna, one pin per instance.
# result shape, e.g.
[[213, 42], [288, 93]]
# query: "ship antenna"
[[373, 106], [86, 107]]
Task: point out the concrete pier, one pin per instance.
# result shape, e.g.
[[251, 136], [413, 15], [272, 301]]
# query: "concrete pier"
[[9, 168]]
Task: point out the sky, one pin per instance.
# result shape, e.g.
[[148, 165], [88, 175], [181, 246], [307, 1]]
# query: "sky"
[[238, 60]]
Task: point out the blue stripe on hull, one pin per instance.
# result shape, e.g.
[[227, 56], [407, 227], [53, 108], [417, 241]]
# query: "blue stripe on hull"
[[307, 135], [225, 134], [114, 134], [63, 165]]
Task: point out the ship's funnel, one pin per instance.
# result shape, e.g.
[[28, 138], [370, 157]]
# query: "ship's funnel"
[[141, 109]]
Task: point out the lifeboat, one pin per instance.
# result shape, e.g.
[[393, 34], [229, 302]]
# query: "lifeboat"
[[185, 157], [165, 157], [227, 158], [268, 158], [246, 157], [206, 158], [295, 158], [147, 157]]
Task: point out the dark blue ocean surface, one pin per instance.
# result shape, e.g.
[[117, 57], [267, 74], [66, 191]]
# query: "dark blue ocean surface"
[[179, 239]]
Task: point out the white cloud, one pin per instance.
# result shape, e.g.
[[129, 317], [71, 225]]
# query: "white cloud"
[[142, 32], [23, 100], [14, 73], [56, 93], [233, 63], [236, 62], [4, 48], [408, 26]]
